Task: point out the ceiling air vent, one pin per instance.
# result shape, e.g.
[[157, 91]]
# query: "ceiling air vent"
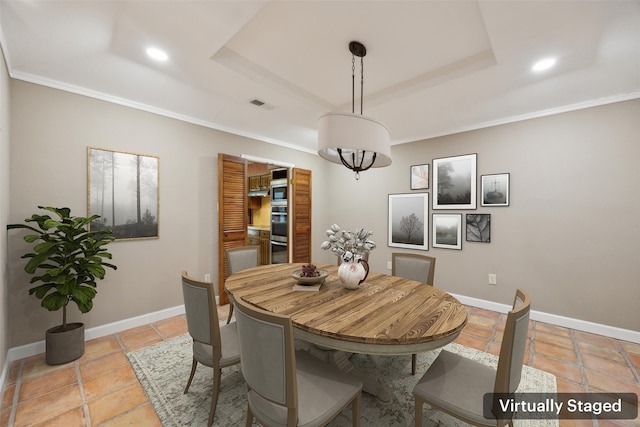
[[261, 104]]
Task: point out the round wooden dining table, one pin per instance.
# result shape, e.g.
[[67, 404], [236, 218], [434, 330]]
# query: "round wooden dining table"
[[386, 315]]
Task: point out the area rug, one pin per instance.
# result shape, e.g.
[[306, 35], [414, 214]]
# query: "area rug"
[[163, 370]]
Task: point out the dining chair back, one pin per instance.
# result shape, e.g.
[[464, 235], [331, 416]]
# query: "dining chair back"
[[420, 268], [456, 385], [239, 259], [214, 346], [286, 387], [513, 345]]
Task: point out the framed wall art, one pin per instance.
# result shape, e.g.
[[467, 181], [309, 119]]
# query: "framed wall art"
[[479, 228], [123, 188], [454, 182], [447, 231], [409, 221], [495, 190], [420, 177]]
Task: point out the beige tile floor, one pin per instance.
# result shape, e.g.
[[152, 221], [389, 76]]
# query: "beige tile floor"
[[101, 389]]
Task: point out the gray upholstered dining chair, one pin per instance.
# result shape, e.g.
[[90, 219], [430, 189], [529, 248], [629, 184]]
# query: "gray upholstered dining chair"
[[456, 385], [420, 268], [239, 259], [286, 387], [214, 346]]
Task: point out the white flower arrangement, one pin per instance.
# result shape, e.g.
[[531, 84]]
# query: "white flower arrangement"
[[347, 244]]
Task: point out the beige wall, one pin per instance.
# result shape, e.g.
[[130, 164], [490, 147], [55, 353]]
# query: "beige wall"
[[4, 208], [51, 132], [570, 236]]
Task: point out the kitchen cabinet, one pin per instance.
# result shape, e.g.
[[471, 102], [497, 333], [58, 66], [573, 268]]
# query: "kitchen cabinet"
[[265, 250], [254, 183], [255, 202], [265, 181], [260, 182], [258, 236], [253, 237]]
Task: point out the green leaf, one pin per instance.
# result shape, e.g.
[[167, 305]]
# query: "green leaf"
[[54, 301], [51, 223], [66, 288], [105, 264], [44, 247], [61, 212], [41, 290], [35, 262], [104, 255], [85, 307], [97, 270], [30, 238], [84, 294]]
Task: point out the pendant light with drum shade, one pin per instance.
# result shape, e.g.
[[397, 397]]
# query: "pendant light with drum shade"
[[358, 142]]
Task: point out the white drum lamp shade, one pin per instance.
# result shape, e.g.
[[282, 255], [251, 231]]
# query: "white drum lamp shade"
[[355, 136]]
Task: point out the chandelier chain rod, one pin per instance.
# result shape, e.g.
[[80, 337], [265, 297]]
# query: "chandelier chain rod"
[[361, 82], [353, 84]]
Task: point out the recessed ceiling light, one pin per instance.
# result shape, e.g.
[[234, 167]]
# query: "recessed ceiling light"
[[544, 64], [157, 54]]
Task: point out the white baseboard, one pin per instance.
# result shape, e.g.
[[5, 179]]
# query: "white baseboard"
[[38, 347], [566, 322], [32, 349], [28, 350]]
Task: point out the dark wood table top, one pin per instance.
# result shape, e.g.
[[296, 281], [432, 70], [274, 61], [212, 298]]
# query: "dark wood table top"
[[385, 315]]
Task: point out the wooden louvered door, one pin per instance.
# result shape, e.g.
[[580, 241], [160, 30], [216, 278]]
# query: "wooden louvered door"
[[232, 212], [301, 215]]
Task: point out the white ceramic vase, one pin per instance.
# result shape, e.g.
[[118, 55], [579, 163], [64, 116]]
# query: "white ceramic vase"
[[352, 273]]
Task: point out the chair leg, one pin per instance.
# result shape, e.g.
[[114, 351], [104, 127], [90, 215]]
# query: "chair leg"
[[230, 312], [355, 411], [418, 411], [193, 371], [249, 417], [414, 358], [217, 374]]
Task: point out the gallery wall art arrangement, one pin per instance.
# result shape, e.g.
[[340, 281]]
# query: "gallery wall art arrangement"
[[455, 188]]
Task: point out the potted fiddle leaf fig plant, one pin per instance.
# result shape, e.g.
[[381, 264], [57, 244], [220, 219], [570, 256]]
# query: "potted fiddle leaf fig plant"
[[67, 260]]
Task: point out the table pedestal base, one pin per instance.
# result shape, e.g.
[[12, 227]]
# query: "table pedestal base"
[[340, 359]]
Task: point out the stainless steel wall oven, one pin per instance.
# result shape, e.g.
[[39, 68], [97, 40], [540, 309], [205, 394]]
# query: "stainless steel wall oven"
[[279, 216]]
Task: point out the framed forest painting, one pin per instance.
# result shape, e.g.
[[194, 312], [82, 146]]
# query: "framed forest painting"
[[454, 182], [123, 189], [409, 221]]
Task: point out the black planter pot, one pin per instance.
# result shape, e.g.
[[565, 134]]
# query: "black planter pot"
[[63, 346]]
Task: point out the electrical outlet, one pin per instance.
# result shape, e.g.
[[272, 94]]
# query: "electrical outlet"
[[492, 279], [207, 277], [389, 267]]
